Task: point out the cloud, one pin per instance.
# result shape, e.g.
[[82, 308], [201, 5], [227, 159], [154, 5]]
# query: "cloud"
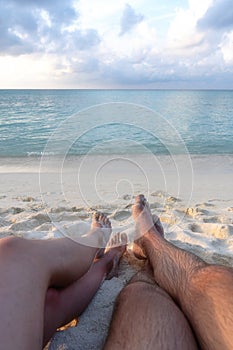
[[62, 11], [84, 39], [42, 26], [227, 48], [218, 16], [129, 19], [74, 44]]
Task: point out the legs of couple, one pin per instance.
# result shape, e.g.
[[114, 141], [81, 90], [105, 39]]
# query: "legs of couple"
[[32, 271], [182, 303]]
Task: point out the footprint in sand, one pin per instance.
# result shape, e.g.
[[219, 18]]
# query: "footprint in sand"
[[211, 229], [196, 211], [155, 205], [159, 194], [41, 218], [16, 210], [120, 215], [24, 225], [172, 199]]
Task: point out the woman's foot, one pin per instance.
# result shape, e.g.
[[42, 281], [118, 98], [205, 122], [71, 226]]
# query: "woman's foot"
[[117, 247], [100, 232], [145, 223], [113, 253]]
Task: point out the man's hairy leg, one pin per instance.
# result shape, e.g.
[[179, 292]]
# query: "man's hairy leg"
[[202, 291], [146, 317]]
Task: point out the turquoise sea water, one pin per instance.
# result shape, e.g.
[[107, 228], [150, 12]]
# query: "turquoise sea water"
[[201, 120]]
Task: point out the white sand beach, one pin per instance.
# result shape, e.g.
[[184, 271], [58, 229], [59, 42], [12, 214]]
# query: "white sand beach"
[[193, 197]]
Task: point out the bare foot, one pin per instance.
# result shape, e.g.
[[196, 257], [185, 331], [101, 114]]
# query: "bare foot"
[[145, 223], [115, 249], [100, 232], [100, 220]]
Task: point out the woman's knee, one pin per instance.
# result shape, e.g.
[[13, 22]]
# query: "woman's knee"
[[52, 299], [11, 246]]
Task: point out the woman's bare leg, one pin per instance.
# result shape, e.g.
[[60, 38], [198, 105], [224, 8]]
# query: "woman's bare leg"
[[202, 291], [146, 317], [27, 269], [64, 305]]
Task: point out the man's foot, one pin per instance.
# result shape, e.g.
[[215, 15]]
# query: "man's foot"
[[113, 253], [145, 223], [100, 232]]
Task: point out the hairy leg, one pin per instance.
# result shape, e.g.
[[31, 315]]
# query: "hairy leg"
[[62, 306], [146, 317], [202, 291], [27, 269]]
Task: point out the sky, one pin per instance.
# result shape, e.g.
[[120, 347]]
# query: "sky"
[[89, 44]]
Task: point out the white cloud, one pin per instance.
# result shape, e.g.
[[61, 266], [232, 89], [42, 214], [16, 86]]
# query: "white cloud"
[[129, 19], [183, 35], [227, 48], [199, 8]]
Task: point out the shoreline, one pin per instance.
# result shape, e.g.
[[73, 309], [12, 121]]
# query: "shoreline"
[[195, 178]]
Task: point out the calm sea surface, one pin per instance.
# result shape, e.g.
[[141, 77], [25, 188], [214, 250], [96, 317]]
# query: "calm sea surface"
[[33, 122]]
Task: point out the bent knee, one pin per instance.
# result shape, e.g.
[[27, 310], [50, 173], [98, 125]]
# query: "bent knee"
[[140, 290], [11, 246], [52, 299]]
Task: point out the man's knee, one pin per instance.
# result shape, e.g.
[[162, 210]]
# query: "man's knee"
[[137, 292], [130, 292]]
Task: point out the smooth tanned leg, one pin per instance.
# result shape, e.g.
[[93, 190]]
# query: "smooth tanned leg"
[[27, 269], [62, 306], [146, 317]]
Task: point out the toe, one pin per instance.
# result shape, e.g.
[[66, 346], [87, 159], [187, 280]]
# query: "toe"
[[102, 218], [140, 198], [96, 216], [124, 238], [108, 223]]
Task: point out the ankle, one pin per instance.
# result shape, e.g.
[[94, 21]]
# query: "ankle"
[[152, 235], [94, 238], [151, 242]]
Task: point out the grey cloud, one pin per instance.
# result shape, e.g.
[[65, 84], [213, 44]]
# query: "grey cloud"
[[11, 44], [62, 11], [83, 40], [218, 16], [23, 29], [14, 24], [89, 64], [129, 19], [70, 44], [165, 70]]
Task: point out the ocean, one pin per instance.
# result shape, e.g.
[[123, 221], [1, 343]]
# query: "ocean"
[[77, 122]]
